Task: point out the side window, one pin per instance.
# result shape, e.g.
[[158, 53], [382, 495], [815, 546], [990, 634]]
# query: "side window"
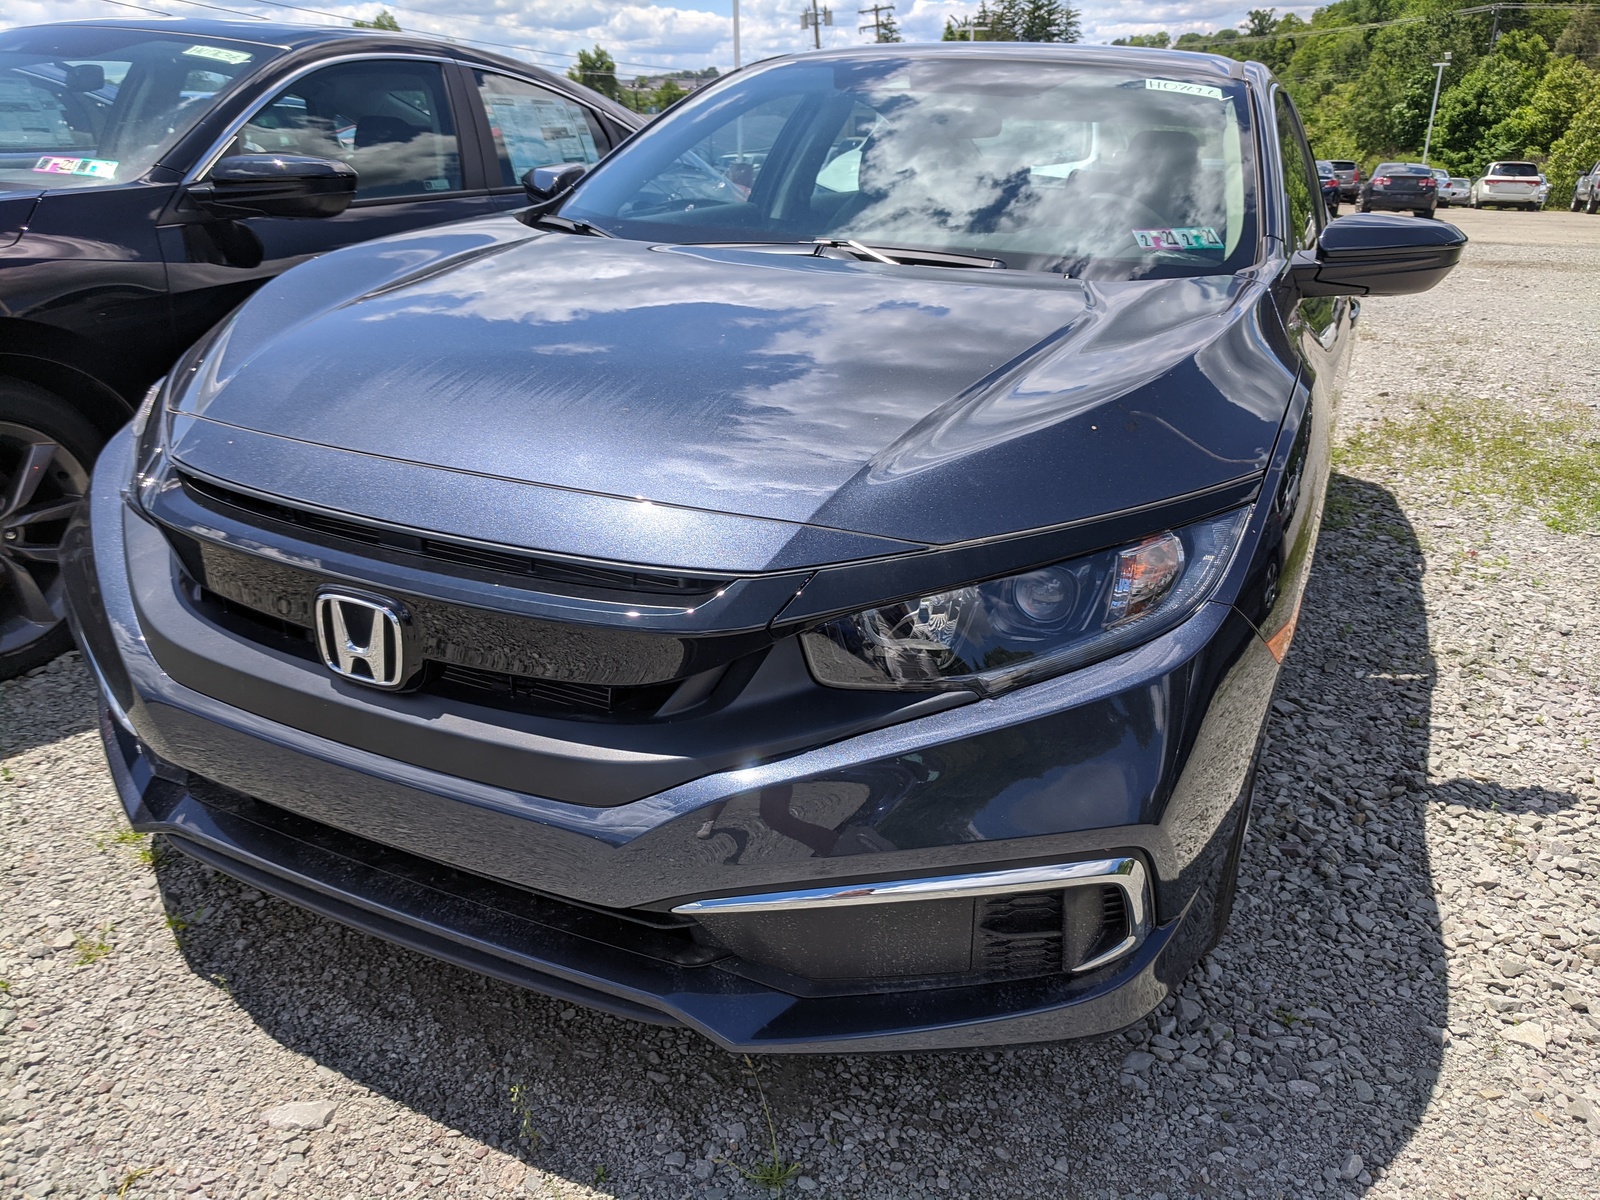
[[533, 127], [1299, 179], [389, 120]]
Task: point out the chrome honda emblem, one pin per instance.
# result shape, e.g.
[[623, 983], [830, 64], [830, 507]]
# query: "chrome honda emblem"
[[362, 638]]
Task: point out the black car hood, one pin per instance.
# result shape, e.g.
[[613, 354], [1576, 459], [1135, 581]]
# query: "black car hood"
[[926, 405]]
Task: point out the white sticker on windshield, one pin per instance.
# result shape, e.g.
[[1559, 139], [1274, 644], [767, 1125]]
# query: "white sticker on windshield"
[[218, 54], [102, 168], [1187, 89], [1187, 237]]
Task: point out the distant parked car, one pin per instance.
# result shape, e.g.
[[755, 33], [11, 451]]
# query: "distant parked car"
[[1544, 190], [153, 174], [1586, 195], [1455, 190], [1507, 185], [1441, 180], [1348, 175], [1401, 187], [1330, 186]]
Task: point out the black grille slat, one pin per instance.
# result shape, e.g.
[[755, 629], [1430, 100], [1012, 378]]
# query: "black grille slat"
[[548, 571]]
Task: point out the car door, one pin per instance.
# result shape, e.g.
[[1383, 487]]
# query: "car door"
[[1321, 329], [524, 124], [397, 120]]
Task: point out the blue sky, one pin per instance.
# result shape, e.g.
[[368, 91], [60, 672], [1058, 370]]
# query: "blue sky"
[[642, 36]]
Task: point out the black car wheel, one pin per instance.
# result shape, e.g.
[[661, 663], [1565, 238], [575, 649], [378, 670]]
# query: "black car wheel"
[[1594, 203], [45, 452], [1365, 207], [1575, 204]]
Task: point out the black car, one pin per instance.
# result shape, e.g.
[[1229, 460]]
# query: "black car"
[[153, 175], [1401, 187], [1330, 186], [819, 581]]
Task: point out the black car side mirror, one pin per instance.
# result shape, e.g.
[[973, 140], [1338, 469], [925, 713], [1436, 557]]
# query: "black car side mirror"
[[275, 185], [1378, 254], [544, 184]]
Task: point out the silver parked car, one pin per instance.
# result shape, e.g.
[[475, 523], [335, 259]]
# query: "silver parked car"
[[1455, 190]]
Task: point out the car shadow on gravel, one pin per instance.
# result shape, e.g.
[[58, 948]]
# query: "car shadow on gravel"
[[1298, 1060]]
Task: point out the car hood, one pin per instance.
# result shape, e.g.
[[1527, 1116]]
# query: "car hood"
[[925, 405]]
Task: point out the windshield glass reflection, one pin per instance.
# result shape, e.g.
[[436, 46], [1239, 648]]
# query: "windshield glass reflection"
[[1088, 171]]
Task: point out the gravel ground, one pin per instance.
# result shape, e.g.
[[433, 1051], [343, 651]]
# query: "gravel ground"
[[1406, 1003]]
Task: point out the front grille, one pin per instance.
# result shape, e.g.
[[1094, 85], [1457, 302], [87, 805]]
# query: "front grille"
[[548, 696], [548, 573]]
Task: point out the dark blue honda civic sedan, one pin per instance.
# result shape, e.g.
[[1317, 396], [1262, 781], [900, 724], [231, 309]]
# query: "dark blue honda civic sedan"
[[818, 578]]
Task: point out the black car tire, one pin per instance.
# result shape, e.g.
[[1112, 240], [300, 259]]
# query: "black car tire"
[[1575, 204], [42, 435], [1365, 207], [1425, 213], [1594, 203]]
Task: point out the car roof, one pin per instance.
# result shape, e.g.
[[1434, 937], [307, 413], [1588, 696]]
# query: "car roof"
[[1168, 62], [289, 37]]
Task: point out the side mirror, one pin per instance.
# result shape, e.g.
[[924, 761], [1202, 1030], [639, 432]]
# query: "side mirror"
[[1378, 254], [275, 185], [544, 184]]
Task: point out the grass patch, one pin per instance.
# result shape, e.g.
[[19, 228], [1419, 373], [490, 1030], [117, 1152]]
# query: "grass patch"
[[776, 1172], [1476, 449], [92, 949]]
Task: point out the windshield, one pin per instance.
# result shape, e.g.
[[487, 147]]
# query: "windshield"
[[1037, 165], [1506, 168], [81, 107]]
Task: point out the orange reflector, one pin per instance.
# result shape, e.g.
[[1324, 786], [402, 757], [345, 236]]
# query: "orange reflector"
[[1278, 643]]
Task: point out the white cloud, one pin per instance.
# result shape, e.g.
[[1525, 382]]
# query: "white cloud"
[[642, 36]]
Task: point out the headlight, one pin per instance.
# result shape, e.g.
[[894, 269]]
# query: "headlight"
[[151, 426], [992, 636]]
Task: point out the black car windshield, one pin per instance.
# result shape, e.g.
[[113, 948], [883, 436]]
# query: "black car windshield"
[[86, 106], [1040, 165]]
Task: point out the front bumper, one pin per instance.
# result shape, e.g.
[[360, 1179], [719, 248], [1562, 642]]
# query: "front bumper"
[[1144, 757]]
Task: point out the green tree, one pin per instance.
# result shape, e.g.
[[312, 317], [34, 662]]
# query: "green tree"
[[1260, 22], [1575, 151], [1156, 41], [889, 29], [668, 94], [384, 20], [596, 69], [1581, 37], [1019, 21], [1486, 95], [1536, 126]]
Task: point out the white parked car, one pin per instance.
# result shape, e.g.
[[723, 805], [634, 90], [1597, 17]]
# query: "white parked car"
[[1508, 185]]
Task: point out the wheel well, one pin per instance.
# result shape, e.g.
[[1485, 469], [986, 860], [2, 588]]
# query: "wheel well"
[[104, 406]]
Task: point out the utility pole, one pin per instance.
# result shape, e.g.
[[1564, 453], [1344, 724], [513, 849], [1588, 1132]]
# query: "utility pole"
[[1438, 79], [970, 24], [880, 13], [814, 18], [735, 35]]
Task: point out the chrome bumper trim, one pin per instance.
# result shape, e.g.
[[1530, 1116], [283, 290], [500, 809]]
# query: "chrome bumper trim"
[[1126, 873]]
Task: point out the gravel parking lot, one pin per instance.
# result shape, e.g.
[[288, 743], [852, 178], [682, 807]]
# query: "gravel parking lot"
[[1407, 1003]]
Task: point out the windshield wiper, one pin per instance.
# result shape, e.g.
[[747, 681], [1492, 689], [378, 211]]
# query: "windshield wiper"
[[897, 256], [568, 225]]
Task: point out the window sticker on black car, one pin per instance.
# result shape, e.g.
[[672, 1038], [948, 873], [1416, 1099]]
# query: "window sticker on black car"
[[219, 54], [1188, 89], [104, 168], [1196, 237]]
